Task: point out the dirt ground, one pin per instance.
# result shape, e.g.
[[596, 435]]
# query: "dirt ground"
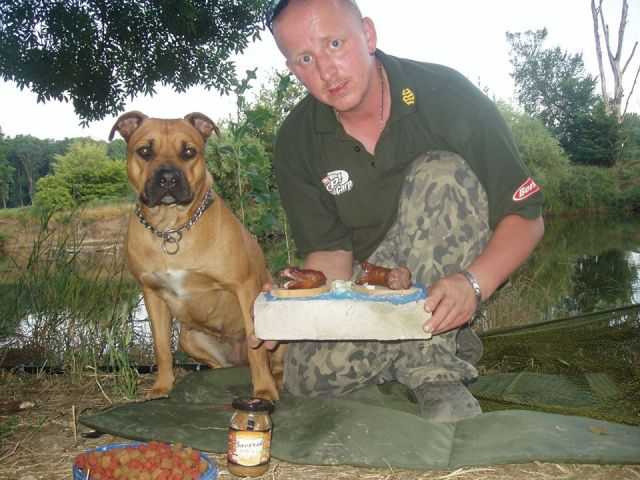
[[41, 442]]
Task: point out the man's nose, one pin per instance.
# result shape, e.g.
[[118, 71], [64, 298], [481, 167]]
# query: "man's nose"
[[326, 68]]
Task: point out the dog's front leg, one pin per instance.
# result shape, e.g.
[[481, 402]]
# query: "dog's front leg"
[[264, 384], [160, 318]]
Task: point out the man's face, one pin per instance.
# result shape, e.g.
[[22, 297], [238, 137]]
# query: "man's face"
[[327, 47]]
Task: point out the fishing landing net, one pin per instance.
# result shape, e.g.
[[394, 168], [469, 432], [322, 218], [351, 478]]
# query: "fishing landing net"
[[587, 366]]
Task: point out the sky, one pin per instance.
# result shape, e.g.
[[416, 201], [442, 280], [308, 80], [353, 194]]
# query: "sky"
[[468, 35]]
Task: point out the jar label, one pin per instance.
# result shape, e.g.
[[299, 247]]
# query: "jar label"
[[249, 448]]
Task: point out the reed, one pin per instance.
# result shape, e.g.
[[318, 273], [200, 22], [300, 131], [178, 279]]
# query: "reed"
[[67, 305]]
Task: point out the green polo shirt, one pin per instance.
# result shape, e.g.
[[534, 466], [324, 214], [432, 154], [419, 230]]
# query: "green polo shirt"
[[339, 197]]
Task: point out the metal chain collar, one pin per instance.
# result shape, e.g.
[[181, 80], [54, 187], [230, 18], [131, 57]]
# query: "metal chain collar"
[[171, 238]]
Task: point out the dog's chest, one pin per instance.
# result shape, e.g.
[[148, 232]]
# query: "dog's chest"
[[171, 282]]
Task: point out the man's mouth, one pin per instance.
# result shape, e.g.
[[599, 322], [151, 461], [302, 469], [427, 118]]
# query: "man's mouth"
[[338, 89]]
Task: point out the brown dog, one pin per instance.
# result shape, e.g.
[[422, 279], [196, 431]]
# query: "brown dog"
[[192, 257]]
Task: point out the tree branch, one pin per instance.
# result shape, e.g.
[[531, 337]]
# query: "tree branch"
[[621, 29], [596, 34], [633, 50], [635, 80]]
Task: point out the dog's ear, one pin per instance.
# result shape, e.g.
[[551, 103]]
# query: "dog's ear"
[[203, 124], [127, 124]]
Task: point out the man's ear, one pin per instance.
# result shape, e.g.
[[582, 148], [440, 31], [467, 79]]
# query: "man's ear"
[[370, 34]]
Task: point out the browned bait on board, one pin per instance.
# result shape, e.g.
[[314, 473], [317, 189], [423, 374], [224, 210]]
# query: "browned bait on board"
[[296, 278], [393, 278]]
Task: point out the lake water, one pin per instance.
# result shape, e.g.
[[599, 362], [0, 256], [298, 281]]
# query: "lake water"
[[585, 265], [581, 266]]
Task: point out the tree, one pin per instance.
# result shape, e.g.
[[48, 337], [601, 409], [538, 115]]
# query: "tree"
[[552, 85], [630, 139], [618, 70], [594, 138], [6, 171], [98, 54], [82, 174], [31, 159], [117, 149]]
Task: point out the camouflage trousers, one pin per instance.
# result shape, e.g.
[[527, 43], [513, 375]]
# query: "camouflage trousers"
[[441, 227]]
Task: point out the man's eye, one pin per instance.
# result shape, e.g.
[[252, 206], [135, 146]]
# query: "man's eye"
[[189, 152], [336, 43], [145, 152], [306, 59]]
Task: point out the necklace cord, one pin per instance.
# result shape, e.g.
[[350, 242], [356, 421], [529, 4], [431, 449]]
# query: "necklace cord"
[[381, 78]]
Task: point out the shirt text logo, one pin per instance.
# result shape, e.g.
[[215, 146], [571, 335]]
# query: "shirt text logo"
[[408, 97], [525, 190], [337, 182]]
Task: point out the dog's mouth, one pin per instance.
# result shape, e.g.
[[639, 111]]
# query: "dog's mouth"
[[167, 200], [167, 186]]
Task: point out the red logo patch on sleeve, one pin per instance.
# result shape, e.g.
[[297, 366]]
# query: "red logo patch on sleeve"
[[525, 190]]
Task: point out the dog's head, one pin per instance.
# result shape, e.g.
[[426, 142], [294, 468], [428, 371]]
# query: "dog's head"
[[165, 157]]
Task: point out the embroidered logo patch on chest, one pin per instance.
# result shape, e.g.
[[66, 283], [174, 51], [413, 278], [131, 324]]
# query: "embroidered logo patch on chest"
[[337, 182], [525, 190]]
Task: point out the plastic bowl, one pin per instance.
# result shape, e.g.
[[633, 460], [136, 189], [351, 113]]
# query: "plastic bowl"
[[78, 474]]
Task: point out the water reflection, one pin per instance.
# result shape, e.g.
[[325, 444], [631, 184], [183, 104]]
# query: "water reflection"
[[581, 266]]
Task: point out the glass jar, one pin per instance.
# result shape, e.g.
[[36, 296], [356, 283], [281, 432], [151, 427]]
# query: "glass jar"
[[249, 448]]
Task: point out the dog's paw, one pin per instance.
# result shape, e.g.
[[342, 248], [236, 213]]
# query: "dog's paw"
[[270, 394], [156, 393]]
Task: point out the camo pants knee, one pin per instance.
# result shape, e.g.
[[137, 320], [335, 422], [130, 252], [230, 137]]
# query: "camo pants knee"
[[441, 226]]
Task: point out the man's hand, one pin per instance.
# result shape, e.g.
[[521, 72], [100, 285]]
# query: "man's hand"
[[452, 302]]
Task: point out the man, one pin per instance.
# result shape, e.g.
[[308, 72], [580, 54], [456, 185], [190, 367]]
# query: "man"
[[398, 163]]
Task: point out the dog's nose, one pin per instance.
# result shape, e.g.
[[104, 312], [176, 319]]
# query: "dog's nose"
[[168, 179]]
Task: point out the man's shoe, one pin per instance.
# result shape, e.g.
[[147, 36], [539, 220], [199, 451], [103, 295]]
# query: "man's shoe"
[[445, 402]]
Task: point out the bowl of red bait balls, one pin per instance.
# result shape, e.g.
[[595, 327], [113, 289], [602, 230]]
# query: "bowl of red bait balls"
[[143, 461]]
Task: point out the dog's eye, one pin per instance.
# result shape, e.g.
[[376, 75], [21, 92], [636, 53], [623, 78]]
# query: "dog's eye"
[[145, 152], [189, 152]]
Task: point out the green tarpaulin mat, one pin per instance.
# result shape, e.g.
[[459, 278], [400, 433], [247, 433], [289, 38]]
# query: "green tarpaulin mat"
[[376, 426]]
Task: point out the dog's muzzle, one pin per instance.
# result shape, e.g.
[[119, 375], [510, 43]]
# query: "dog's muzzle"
[[167, 186]]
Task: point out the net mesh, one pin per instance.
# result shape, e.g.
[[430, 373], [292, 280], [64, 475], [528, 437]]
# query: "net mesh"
[[587, 365]]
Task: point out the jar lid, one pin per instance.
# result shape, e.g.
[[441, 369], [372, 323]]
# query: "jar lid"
[[252, 404]]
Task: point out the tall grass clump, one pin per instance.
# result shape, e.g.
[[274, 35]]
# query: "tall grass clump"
[[67, 306]]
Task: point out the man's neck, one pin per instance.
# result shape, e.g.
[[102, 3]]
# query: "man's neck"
[[366, 124]]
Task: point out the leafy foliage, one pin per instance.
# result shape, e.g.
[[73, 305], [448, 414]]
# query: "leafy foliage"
[[83, 174], [6, 171], [31, 158], [630, 133], [552, 85], [99, 53], [593, 138], [241, 161], [590, 189], [541, 152]]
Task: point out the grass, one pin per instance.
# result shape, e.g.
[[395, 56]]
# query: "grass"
[[68, 305]]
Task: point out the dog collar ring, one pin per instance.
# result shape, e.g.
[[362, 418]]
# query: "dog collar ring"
[[171, 242]]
